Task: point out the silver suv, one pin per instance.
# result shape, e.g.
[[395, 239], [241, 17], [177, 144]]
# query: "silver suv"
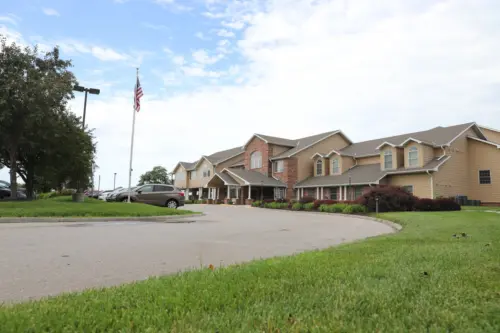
[[155, 194]]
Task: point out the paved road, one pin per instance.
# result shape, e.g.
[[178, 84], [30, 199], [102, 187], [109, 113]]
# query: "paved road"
[[40, 259]]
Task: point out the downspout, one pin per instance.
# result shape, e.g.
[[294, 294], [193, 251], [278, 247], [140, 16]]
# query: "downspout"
[[432, 183]]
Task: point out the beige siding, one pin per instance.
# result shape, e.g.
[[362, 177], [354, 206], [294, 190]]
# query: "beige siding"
[[229, 162], [346, 163], [395, 160], [199, 180], [425, 154], [421, 183], [368, 160], [323, 163], [484, 157], [491, 135], [305, 164], [400, 157], [453, 176], [181, 183], [278, 149]]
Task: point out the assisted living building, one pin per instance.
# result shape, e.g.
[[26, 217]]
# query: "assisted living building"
[[442, 161]]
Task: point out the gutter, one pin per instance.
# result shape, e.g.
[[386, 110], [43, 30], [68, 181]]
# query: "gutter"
[[444, 152], [432, 183]]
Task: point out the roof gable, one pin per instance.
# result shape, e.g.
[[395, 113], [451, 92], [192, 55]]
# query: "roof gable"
[[272, 140]]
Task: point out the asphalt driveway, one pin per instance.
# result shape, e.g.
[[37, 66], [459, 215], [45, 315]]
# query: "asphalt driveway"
[[40, 259]]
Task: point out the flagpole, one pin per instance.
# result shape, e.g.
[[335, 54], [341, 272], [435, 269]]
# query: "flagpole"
[[132, 146]]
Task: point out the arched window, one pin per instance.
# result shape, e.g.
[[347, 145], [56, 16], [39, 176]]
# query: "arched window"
[[319, 167], [413, 156], [335, 166], [388, 159], [256, 160]]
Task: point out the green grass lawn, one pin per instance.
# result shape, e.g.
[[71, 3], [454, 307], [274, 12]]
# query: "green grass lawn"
[[495, 208], [64, 207], [419, 280]]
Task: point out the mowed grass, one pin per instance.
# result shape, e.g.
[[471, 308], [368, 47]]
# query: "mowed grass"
[[482, 208], [65, 207], [420, 280]]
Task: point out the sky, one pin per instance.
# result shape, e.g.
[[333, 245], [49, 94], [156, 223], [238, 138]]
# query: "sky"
[[214, 72]]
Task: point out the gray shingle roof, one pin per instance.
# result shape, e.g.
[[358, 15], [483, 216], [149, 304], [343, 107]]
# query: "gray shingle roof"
[[226, 178], [224, 154], [436, 136], [278, 141], [239, 163], [304, 142], [188, 165], [255, 178], [366, 174]]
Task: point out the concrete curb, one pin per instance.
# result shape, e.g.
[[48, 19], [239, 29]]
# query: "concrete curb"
[[164, 219], [395, 226]]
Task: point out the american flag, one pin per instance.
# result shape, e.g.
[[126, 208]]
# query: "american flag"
[[137, 96]]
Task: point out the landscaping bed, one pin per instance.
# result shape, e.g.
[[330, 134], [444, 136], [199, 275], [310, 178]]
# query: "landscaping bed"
[[426, 278], [63, 206]]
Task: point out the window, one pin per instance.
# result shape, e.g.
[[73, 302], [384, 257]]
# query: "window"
[[279, 193], [334, 193], [413, 156], [388, 159], [192, 175], [335, 166], [358, 191], [408, 188], [256, 160], [146, 189], [279, 166], [484, 177], [163, 188], [180, 176], [206, 173], [319, 167]]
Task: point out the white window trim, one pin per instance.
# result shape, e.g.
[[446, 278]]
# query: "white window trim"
[[319, 162], [338, 166], [259, 164], [412, 188], [411, 150], [479, 176], [388, 152], [276, 165]]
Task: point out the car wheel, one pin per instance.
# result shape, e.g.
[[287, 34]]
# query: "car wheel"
[[125, 199], [172, 204]]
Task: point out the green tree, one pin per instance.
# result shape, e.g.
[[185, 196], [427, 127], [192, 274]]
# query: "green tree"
[[39, 138], [159, 175]]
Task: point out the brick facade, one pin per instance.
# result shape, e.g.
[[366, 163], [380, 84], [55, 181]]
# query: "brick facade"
[[259, 145]]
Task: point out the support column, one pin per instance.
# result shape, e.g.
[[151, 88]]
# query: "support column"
[[249, 191], [238, 192], [317, 193], [217, 192], [298, 194], [200, 192], [345, 193], [340, 193], [322, 194], [301, 192]]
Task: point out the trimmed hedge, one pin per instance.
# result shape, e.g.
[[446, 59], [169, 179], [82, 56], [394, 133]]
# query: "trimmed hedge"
[[435, 205], [53, 194], [390, 199]]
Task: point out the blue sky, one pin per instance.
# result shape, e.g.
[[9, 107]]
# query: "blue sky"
[[216, 71]]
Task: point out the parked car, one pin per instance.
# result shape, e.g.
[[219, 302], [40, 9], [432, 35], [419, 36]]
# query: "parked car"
[[113, 195], [155, 194], [104, 194], [5, 193]]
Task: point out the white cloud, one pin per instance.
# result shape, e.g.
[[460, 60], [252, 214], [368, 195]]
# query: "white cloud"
[[178, 60], [8, 19], [201, 36], [154, 26], [237, 25], [225, 33], [199, 72], [202, 57], [107, 54], [50, 12]]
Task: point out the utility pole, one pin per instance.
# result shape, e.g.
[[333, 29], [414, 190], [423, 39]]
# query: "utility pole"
[[114, 182], [99, 184]]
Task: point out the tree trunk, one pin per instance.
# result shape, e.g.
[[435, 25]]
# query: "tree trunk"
[[30, 181], [13, 173]]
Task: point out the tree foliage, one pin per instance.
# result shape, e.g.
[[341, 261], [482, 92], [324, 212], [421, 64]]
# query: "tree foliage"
[[159, 175], [40, 140]]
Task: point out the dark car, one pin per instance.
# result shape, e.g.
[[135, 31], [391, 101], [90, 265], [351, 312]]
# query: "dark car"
[[155, 194], [5, 193]]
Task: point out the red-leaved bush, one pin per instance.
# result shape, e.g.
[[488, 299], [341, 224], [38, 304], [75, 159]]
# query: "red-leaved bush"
[[390, 199]]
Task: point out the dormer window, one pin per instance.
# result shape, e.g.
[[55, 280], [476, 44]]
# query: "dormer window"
[[335, 166], [413, 157], [319, 167], [388, 159], [256, 160]]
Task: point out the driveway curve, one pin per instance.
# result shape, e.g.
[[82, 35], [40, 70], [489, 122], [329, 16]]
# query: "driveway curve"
[[41, 259]]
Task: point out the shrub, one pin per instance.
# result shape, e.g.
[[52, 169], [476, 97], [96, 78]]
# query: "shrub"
[[283, 205], [358, 209], [256, 203], [323, 208], [391, 199], [442, 204], [348, 209], [309, 206], [318, 203], [305, 200], [297, 206], [337, 208]]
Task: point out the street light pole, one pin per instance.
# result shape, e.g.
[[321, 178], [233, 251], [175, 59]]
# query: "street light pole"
[[93, 91], [99, 184], [114, 182]]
